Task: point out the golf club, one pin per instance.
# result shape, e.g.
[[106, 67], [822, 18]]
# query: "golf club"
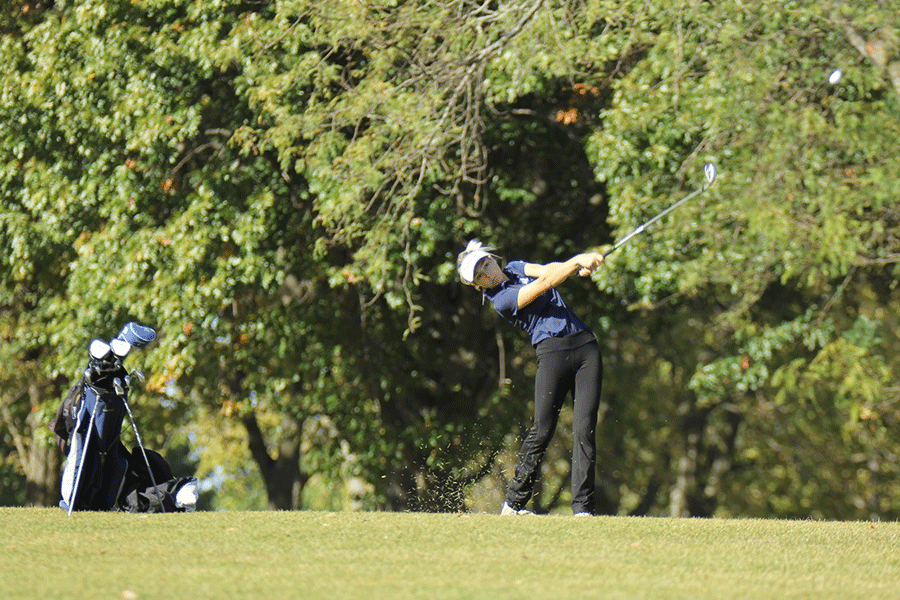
[[123, 396], [709, 172], [73, 496]]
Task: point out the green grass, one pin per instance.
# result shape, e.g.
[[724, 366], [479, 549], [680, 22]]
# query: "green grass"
[[369, 556]]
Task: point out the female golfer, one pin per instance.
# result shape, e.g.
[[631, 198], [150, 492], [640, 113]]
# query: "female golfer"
[[568, 359]]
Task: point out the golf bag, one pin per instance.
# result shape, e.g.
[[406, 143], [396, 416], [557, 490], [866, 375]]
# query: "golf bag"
[[100, 473]]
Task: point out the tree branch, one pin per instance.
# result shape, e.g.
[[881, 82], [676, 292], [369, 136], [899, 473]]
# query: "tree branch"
[[878, 50], [257, 444]]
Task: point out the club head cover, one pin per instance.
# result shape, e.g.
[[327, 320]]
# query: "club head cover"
[[137, 335]]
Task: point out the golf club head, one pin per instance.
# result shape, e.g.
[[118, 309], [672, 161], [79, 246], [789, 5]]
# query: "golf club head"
[[120, 347], [99, 349], [710, 172], [137, 335]]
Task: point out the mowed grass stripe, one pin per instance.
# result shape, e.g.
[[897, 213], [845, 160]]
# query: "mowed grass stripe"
[[46, 554]]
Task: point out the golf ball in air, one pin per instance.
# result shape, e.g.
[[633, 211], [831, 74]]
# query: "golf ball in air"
[[835, 76]]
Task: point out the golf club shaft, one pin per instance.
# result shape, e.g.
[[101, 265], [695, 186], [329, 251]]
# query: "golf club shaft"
[[641, 228], [87, 439], [144, 452], [709, 171]]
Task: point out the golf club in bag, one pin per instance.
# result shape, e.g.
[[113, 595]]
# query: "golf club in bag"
[[100, 473], [709, 173]]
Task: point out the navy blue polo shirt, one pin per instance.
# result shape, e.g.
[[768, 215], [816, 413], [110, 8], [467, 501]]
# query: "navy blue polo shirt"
[[548, 316]]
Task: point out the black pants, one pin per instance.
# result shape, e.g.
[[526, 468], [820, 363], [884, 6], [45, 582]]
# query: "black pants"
[[570, 364]]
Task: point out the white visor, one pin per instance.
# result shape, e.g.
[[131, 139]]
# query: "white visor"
[[467, 268]]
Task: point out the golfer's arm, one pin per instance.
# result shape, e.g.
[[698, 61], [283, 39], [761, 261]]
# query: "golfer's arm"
[[548, 276]]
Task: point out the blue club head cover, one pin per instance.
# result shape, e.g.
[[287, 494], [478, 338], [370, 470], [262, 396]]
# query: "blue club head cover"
[[137, 335]]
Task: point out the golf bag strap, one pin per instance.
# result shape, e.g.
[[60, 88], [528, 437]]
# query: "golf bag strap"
[[66, 415]]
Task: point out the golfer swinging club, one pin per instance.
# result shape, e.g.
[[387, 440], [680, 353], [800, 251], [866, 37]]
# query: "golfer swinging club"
[[568, 360]]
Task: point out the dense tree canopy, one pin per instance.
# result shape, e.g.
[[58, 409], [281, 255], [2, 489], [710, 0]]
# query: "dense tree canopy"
[[281, 188]]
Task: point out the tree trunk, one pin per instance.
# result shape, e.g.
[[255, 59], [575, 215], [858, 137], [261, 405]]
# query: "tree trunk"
[[282, 475], [693, 423], [685, 478], [43, 475], [40, 460], [706, 459]]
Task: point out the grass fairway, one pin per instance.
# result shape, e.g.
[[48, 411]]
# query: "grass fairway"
[[370, 556]]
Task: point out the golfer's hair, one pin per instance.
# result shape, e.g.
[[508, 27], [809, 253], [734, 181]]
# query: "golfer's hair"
[[472, 246]]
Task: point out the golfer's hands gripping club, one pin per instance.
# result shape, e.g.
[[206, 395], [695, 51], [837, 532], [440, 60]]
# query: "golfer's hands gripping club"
[[588, 262]]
